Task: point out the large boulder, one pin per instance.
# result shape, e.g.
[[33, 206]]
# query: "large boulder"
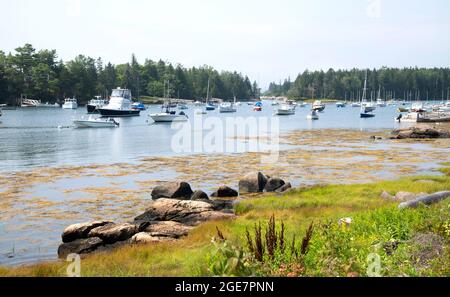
[[273, 184], [407, 196], [252, 183], [112, 233], [183, 211], [225, 192], [173, 190], [81, 230], [420, 132], [79, 246], [199, 195]]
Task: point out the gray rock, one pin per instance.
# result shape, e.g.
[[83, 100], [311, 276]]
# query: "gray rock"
[[79, 246], [225, 191], [183, 211], [273, 184], [286, 187], [146, 238], [112, 233], [173, 190], [78, 231], [407, 196], [199, 195], [252, 183], [385, 195], [167, 229]]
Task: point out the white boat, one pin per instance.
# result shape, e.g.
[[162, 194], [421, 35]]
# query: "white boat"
[[70, 103], [366, 107], [120, 105], [318, 106], [30, 103], [168, 115], [238, 104], [198, 103], [285, 109], [356, 104], [96, 123], [380, 102], [340, 104], [312, 115], [227, 107]]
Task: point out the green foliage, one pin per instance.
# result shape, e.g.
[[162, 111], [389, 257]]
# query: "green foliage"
[[39, 75], [393, 83]]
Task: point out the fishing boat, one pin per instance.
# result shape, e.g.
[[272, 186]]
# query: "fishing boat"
[[285, 109], [70, 103], [318, 106], [340, 104], [138, 106], [95, 104], [119, 105], [96, 123], [168, 115], [313, 115]]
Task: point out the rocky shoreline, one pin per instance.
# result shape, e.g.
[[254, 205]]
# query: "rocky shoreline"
[[174, 211], [421, 132]]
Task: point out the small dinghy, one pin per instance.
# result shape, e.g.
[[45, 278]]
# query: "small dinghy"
[[96, 123]]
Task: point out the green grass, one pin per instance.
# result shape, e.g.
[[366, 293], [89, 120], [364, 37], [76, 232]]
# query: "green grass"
[[333, 251]]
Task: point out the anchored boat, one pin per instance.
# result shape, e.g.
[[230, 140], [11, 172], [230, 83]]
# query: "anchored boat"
[[96, 123], [285, 110], [119, 105]]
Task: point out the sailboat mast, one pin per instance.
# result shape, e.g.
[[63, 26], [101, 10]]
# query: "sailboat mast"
[[365, 89], [207, 92]]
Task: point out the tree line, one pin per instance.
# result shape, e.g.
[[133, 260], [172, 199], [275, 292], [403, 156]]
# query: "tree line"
[[390, 83], [40, 75]]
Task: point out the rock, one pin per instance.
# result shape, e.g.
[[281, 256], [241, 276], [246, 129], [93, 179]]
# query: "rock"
[[420, 132], [199, 195], [387, 196], [79, 246], [273, 184], [224, 192], [183, 211], [223, 204], [286, 187], [407, 196], [174, 190], [252, 183], [167, 229], [144, 238], [78, 231], [425, 199], [112, 233]]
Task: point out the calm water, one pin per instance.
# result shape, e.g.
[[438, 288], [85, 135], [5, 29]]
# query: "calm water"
[[31, 137]]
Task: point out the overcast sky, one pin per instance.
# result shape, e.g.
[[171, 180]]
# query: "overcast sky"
[[267, 40]]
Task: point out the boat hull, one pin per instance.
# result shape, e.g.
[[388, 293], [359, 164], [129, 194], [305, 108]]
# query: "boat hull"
[[92, 108], [94, 124], [367, 115], [168, 118], [113, 113]]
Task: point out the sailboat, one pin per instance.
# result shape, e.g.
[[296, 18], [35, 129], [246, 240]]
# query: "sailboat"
[[168, 115], [380, 102], [209, 106], [366, 107]]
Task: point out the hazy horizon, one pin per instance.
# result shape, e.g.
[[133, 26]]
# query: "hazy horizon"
[[266, 40]]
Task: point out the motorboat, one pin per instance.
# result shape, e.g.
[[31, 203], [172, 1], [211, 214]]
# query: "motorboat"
[[119, 105], [318, 106], [285, 110], [340, 104], [96, 123], [70, 103], [138, 106], [313, 115], [30, 103], [95, 104]]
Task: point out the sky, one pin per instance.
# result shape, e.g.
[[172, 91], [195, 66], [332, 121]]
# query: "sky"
[[266, 40]]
